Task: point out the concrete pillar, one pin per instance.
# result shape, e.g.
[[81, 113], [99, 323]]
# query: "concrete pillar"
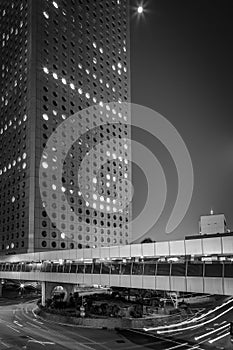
[[46, 289], [43, 297]]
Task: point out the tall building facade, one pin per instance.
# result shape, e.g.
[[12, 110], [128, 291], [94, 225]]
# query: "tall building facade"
[[58, 58]]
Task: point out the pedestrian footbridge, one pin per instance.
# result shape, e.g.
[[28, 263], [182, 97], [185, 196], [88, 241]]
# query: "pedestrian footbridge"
[[201, 265]]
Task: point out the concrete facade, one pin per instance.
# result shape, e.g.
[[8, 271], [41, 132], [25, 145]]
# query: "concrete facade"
[[57, 59]]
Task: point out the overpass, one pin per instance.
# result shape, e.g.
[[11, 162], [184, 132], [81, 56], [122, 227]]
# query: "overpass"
[[201, 264]]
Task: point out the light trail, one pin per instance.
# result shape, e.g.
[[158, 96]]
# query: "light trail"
[[220, 337], [198, 325], [190, 320], [211, 332]]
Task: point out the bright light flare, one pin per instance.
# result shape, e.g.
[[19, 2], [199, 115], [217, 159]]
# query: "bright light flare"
[[140, 10]]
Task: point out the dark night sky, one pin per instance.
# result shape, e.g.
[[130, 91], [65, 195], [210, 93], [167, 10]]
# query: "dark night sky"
[[182, 67]]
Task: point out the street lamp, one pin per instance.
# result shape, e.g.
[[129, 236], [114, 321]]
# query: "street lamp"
[[140, 9], [21, 286]]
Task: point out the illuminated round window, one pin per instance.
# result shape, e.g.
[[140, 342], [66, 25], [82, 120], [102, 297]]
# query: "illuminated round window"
[[46, 15], [45, 165], [55, 4], [45, 69], [45, 117]]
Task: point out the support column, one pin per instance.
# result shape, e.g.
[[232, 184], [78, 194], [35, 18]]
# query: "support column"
[[43, 293], [46, 289], [0, 290]]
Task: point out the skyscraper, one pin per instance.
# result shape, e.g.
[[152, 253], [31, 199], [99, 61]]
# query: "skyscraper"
[[58, 58]]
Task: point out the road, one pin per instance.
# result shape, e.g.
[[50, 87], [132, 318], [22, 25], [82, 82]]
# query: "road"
[[207, 330], [20, 328]]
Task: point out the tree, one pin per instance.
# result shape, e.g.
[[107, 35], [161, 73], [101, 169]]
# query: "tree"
[[147, 240]]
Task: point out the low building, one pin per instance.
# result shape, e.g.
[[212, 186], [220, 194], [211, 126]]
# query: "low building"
[[211, 224]]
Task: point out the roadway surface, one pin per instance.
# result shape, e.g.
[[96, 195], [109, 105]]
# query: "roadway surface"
[[209, 329], [20, 328]]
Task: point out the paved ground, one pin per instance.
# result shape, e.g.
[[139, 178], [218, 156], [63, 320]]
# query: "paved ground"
[[207, 330], [20, 328]]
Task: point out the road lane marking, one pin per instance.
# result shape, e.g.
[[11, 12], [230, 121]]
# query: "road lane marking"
[[34, 312], [18, 318], [18, 324], [41, 342], [220, 337], [5, 344], [34, 325], [211, 332], [35, 320], [16, 330]]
